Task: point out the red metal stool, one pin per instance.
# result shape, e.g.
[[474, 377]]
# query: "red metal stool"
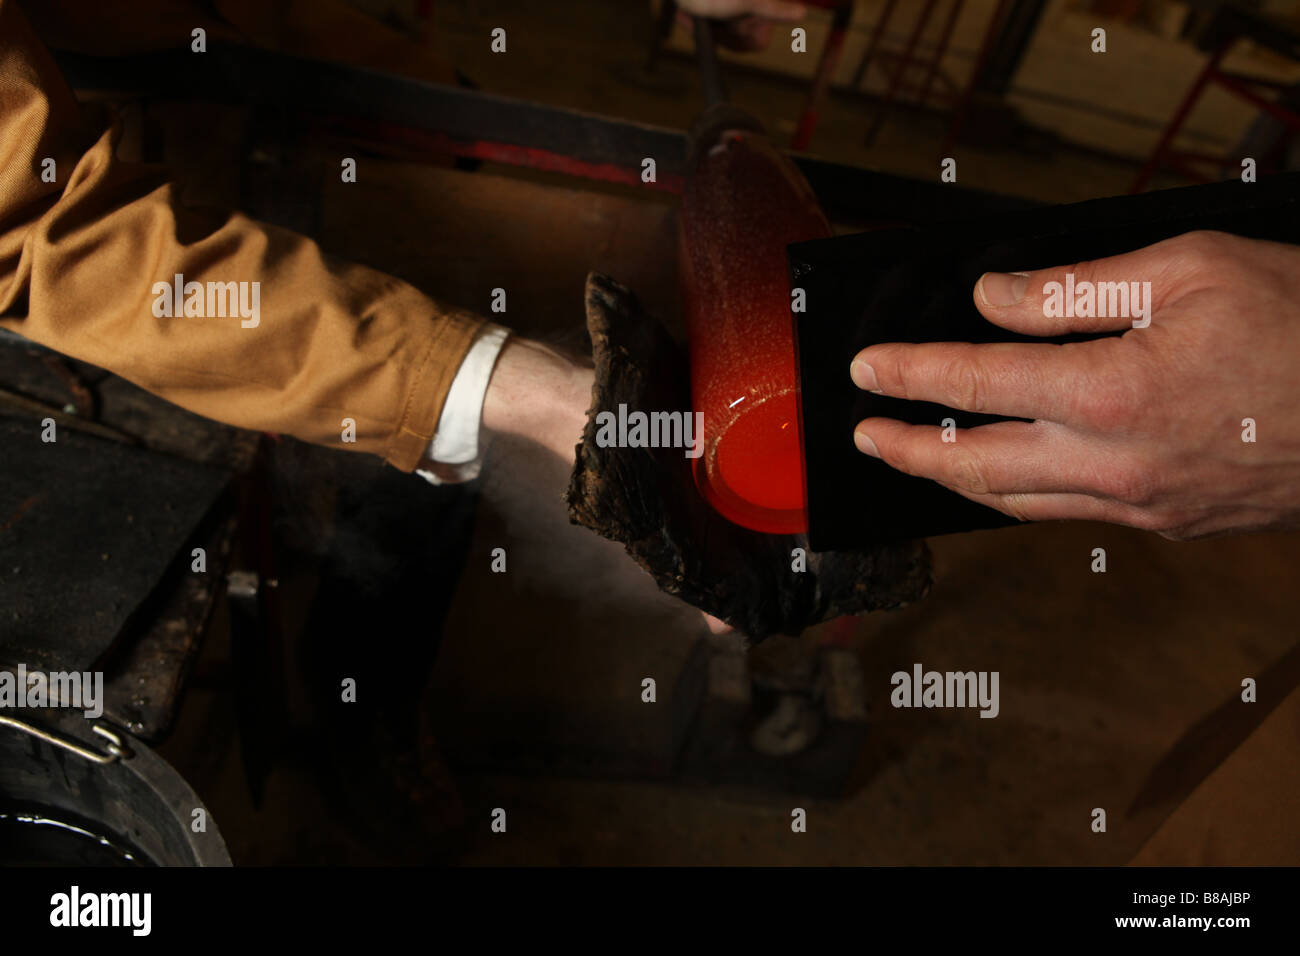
[[897, 65], [1227, 27]]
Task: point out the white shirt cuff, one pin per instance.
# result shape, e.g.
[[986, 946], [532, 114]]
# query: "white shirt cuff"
[[457, 444]]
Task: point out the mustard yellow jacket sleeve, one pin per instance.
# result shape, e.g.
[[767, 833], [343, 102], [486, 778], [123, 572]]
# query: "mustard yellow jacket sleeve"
[[83, 257]]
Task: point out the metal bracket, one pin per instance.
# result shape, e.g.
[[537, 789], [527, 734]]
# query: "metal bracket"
[[115, 748]]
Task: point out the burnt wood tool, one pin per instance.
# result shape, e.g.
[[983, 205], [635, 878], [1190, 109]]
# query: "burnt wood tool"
[[713, 529], [646, 499]]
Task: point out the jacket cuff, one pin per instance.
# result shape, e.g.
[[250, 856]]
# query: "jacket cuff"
[[451, 335]]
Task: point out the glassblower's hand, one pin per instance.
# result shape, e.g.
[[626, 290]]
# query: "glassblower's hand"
[[722, 9], [1187, 426], [747, 24]]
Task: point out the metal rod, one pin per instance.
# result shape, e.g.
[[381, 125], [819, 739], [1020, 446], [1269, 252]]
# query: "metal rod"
[[711, 75], [662, 28], [821, 83], [430, 119], [114, 746]]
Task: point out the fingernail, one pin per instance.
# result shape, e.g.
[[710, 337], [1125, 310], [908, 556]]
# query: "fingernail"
[[1003, 288], [864, 376], [865, 444]]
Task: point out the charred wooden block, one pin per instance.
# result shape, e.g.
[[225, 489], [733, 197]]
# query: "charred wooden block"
[[646, 498]]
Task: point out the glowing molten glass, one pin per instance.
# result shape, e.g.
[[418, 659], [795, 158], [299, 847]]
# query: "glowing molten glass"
[[744, 203]]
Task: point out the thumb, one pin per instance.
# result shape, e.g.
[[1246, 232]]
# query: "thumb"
[[1102, 295]]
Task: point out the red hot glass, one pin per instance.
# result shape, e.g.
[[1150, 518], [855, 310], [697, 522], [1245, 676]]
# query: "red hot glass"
[[744, 203]]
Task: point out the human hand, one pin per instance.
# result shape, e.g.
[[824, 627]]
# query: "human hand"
[[723, 9], [747, 24], [1146, 429]]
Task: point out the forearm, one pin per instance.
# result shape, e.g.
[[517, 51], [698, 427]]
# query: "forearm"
[[538, 393]]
